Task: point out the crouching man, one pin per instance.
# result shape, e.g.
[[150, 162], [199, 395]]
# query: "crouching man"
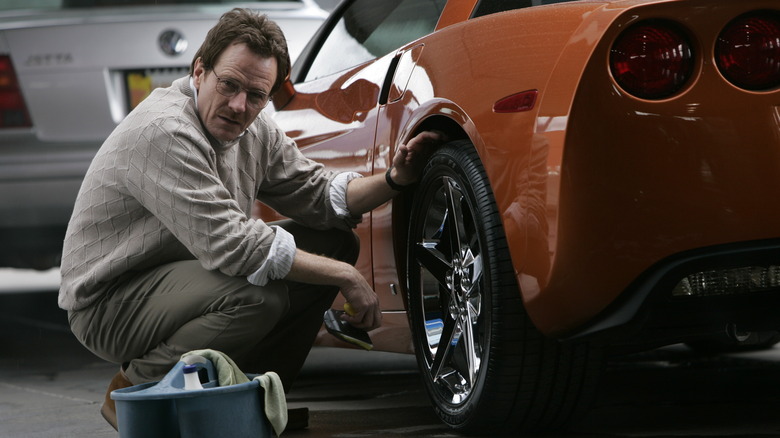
[[162, 256]]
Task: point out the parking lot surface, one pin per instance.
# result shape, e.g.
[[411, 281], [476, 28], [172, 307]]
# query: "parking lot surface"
[[51, 387]]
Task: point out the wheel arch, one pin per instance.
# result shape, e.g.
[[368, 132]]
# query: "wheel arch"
[[508, 145], [456, 125]]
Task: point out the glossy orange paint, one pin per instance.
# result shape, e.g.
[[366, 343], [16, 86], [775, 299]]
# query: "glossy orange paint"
[[699, 174], [520, 160], [594, 186]]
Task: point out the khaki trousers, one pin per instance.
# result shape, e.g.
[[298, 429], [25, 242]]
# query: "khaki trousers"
[[146, 321]]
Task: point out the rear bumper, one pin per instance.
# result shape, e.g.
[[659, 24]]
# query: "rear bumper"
[[41, 203], [650, 313], [39, 183]]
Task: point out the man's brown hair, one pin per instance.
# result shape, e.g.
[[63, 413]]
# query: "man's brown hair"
[[260, 34]]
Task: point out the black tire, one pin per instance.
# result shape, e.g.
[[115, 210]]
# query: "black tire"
[[498, 373]]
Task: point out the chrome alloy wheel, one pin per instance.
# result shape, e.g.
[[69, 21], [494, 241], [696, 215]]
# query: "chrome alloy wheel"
[[485, 366], [449, 255]]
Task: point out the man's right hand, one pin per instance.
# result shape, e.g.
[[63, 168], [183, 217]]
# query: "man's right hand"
[[314, 269], [364, 302]]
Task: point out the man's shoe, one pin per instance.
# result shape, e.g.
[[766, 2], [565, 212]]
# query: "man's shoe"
[[108, 410], [297, 419]]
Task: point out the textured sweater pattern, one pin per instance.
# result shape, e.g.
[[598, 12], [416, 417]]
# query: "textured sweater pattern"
[[160, 189]]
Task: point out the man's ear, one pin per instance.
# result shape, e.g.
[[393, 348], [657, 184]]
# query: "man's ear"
[[197, 73]]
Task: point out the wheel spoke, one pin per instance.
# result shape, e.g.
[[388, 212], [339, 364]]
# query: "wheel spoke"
[[473, 263], [433, 261], [468, 325], [473, 293], [445, 348], [454, 215]]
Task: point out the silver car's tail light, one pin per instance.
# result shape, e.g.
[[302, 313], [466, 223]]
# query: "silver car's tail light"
[[652, 59], [731, 281], [13, 111], [748, 51]]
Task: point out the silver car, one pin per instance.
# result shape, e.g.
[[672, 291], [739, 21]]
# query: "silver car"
[[70, 70]]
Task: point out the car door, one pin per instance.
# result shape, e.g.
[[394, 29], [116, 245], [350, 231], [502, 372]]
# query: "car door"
[[340, 85]]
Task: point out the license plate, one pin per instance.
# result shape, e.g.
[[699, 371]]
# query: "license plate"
[[140, 83]]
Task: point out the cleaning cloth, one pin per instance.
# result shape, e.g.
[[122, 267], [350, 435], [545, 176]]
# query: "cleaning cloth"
[[228, 373]]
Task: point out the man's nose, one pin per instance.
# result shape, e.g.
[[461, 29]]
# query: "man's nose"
[[238, 102]]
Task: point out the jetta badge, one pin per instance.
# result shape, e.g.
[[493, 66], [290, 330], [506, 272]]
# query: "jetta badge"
[[172, 42]]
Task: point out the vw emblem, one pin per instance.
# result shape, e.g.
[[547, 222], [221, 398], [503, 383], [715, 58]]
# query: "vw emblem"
[[172, 42]]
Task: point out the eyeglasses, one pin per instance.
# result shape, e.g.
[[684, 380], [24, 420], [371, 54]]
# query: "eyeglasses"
[[229, 88]]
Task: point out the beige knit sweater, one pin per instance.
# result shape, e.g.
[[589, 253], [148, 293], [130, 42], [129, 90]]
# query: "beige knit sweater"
[[160, 189]]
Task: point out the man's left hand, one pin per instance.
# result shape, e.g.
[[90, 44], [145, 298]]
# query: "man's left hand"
[[410, 158]]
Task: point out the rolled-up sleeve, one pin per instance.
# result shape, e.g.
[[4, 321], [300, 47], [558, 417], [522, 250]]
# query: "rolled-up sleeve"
[[279, 260], [280, 257], [338, 192]]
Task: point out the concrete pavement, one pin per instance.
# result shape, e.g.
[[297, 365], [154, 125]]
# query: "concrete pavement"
[[51, 387]]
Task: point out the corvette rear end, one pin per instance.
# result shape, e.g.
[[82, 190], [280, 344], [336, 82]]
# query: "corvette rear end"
[[616, 166], [666, 221]]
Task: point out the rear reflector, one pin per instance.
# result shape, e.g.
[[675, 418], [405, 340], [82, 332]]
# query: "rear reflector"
[[523, 101], [652, 59], [748, 51], [13, 111], [731, 281]]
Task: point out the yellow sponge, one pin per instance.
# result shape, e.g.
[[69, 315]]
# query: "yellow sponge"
[[342, 330]]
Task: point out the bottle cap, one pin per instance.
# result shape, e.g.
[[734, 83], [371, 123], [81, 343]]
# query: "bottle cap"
[[190, 369]]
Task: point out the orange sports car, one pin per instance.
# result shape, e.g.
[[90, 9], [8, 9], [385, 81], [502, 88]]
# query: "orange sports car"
[[611, 184]]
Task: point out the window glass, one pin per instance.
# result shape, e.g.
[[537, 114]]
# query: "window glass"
[[72, 4], [486, 7], [370, 29]]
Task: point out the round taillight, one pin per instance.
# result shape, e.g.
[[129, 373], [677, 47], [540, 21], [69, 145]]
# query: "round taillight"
[[652, 59], [748, 51]]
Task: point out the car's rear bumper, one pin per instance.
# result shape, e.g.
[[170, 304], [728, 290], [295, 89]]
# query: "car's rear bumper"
[[39, 181], [674, 302], [38, 187]]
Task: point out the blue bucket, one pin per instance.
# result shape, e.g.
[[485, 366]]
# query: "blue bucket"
[[165, 409]]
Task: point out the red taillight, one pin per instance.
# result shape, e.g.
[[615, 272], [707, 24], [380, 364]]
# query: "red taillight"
[[748, 51], [652, 60], [13, 111]]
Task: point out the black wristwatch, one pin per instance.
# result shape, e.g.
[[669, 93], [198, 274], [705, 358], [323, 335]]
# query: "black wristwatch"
[[393, 185]]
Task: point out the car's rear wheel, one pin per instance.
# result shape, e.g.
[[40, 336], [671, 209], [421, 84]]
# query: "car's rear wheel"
[[486, 368]]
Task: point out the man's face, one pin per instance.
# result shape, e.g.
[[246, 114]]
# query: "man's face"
[[227, 117]]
